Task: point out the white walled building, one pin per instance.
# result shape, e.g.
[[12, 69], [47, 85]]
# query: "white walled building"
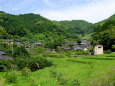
[[98, 49]]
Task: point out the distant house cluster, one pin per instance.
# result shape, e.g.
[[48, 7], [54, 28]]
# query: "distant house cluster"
[[73, 45], [11, 42], [21, 43], [84, 45]]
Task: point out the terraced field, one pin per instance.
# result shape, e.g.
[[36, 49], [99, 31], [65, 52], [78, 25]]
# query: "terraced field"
[[83, 71]]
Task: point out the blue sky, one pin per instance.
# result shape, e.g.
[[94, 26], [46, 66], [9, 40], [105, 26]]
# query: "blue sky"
[[89, 10]]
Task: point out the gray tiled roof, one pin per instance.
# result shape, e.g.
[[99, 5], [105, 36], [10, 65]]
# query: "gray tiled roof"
[[5, 57], [2, 53], [79, 47]]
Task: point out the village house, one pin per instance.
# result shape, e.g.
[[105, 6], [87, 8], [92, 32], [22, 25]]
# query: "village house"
[[3, 56], [80, 48], [38, 44], [84, 42]]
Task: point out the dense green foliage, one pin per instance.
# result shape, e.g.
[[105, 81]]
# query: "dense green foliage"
[[21, 58], [14, 50], [20, 52], [105, 33], [6, 48], [4, 65], [79, 26], [32, 26], [19, 63]]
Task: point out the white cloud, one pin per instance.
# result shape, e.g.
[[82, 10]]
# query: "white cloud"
[[93, 12]]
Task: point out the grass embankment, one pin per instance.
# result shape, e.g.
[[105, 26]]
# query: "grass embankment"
[[83, 71]]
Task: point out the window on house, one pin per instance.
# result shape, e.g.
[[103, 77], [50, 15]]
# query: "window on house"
[[99, 47]]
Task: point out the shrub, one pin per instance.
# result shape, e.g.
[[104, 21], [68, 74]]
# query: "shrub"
[[4, 65], [6, 48], [21, 52], [25, 71], [113, 47], [40, 50], [2, 68], [38, 63], [12, 77], [21, 62], [108, 51], [74, 82], [81, 52], [56, 55], [61, 80]]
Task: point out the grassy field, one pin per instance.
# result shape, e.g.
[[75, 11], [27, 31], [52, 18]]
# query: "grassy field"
[[83, 71]]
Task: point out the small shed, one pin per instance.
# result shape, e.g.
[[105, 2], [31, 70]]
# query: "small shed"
[[98, 49]]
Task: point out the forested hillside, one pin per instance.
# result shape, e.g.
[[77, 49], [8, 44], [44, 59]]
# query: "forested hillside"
[[32, 26], [105, 33], [79, 26]]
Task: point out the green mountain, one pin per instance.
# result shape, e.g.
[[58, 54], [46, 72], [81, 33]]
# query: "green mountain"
[[105, 33], [32, 26], [79, 26], [105, 24]]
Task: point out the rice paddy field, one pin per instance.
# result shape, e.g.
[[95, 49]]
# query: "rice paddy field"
[[82, 71]]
